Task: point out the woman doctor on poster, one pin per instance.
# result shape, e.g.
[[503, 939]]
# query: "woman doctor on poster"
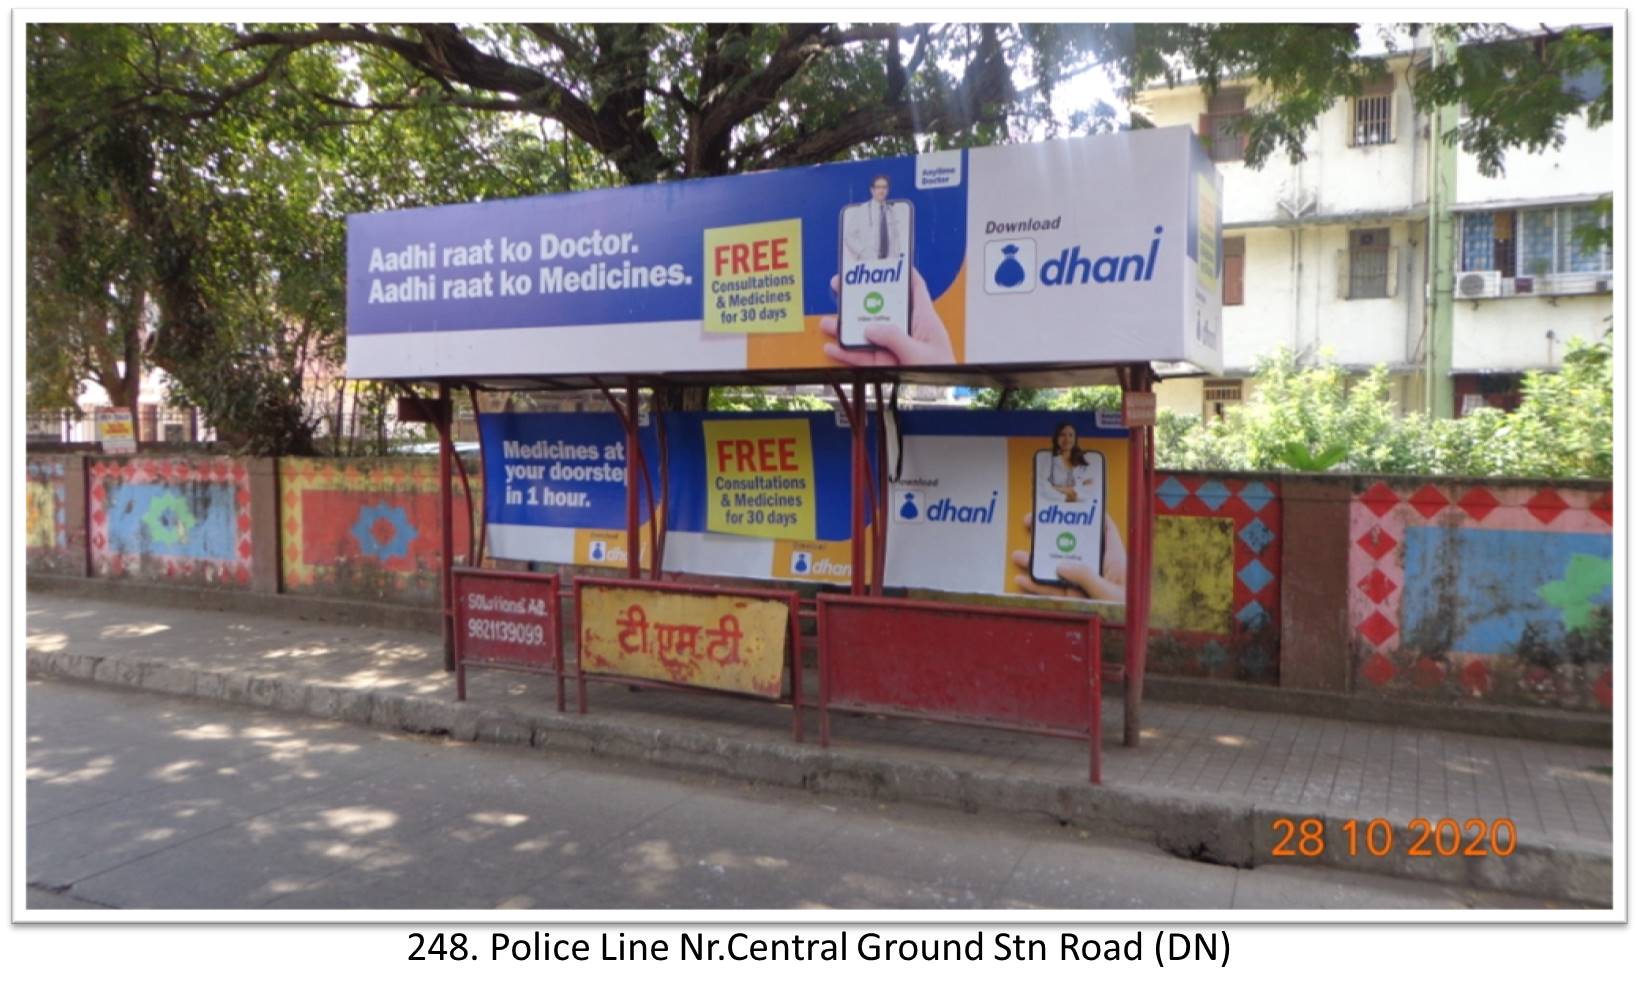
[[1069, 473], [1069, 477]]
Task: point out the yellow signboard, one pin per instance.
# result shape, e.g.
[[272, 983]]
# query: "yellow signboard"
[[723, 642], [117, 432], [759, 479], [753, 277]]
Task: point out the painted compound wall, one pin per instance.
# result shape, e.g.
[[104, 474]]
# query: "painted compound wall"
[[1215, 605], [54, 539], [1482, 591], [365, 529], [178, 520]]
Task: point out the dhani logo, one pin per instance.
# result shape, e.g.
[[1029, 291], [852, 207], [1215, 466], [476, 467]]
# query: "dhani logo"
[[868, 273], [824, 567], [946, 510], [1054, 515], [1009, 266]]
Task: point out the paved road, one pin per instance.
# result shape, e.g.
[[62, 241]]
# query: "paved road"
[[137, 800]]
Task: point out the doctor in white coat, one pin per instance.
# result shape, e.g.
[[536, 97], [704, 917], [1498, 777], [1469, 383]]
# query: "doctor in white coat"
[[871, 230]]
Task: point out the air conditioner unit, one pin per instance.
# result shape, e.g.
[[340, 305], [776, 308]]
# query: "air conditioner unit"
[[1478, 283]]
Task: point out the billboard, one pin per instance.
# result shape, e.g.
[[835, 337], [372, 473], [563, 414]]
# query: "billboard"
[[997, 502], [1075, 252]]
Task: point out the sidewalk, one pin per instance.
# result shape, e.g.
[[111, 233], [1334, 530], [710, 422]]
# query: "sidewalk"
[[1208, 782]]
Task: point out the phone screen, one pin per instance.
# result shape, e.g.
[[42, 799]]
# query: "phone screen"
[[877, 254], [1067, 526]]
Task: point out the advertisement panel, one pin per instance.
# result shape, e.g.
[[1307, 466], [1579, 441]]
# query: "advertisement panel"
[[1075, 252], [506, 619], [1000, 502]]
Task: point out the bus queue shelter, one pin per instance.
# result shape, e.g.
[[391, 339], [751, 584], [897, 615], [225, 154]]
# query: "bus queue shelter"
[[1080, 262]]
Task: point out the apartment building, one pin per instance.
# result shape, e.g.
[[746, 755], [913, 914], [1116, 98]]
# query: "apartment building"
[[1329, 256]]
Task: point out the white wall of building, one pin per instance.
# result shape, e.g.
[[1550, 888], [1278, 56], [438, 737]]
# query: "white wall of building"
[[1335, 178], [1513, 333], [1585, 166]]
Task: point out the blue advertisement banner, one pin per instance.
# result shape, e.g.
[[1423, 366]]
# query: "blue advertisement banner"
[[1005, 502]]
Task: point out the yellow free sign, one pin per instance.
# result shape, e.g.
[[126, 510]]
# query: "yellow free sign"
[[753, 277], [759, 479], [724, 642]]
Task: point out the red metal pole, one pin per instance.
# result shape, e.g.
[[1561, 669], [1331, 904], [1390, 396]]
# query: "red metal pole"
[[483, 513], [1140, 511], [634, 533], [878, 526], [796, 667], [860, 467], [1095, 720], [446, 504]]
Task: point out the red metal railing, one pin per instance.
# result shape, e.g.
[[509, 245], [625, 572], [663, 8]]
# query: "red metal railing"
[[1009, 669]]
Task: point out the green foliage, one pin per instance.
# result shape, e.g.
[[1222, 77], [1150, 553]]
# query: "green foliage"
[[1070, 399], [746, 399], [1514, 86], [1314, 419]]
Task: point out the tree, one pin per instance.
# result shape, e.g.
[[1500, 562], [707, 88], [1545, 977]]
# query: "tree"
[[187, 209], [204, 171], [666, 101]]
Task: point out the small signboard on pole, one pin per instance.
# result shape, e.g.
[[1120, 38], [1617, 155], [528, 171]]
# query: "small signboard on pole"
[[116, 430], [1137, 408]]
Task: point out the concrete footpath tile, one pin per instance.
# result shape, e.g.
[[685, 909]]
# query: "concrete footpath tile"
[[249, 863], [64, 851], [44, 801], [1074, 875], [1289, 887], [962, 850]]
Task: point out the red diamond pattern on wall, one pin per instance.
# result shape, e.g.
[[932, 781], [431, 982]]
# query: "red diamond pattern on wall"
[[1380, 499], [1429, 500], [1428, 673], [1547, 505], [1604, 507], [1377, 543], [1475, 678], [1377, 628], [1378, 670], [1377, 586], [1478, 503]]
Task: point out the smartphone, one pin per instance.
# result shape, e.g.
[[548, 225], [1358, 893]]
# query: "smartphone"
[[1065, 531], [874, 289]]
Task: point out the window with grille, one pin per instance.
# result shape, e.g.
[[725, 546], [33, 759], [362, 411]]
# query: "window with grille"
[[1368, 263], [1220, 126], [1234, 270], [1220, 395], [1373, 113], [1533, 242]]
